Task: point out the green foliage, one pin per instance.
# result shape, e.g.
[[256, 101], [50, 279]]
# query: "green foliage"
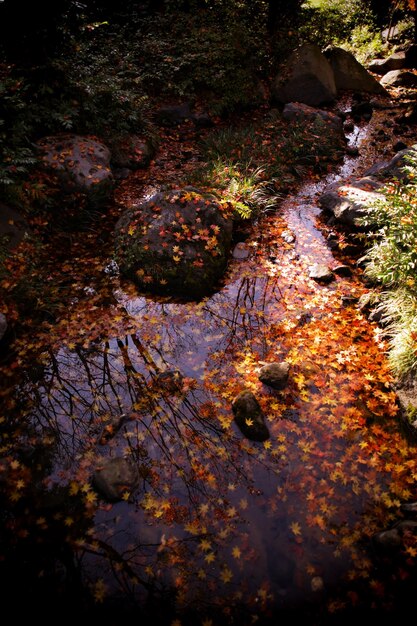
[[91, 88], [391, 261], [253, 165], [365, 43], [193, 55], [334, 21], [16, 152]]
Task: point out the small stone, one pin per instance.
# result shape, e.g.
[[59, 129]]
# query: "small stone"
[[342, 270], [249, 416], [349, 300], [170, 381], [321, 273], [388, 539], [288, 236], [409, 507], [115, 477], [317, 584], [241, 251], [3, 325], [275, 375]]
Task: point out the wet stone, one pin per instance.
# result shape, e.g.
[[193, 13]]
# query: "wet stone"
[[115, 477], [321, 273], [342, 270], [3, 325], [275, 375], [170, 381], [241, 251], [349, 300], [409, 507], [249, 416], [288, 236]]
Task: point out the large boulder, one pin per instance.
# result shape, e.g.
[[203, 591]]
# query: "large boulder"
[[305, 77], [80, 165], [349, 74], [176, 243]]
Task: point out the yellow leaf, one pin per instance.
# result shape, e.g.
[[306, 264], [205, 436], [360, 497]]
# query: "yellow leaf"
[[205, 545], [296, 528], [236, 552], [99, 591], [209, 558], [226, 575]]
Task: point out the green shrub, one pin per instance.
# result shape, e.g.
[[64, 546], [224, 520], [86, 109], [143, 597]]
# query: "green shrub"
[[16, 152], [391, 261], [197, 55], [333, 21], [253, 165]]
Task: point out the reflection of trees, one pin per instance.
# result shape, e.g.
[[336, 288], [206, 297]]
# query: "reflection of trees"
[[111, 398]]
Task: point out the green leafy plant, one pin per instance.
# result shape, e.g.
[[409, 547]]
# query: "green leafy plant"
[[391, 261], [16, 152]]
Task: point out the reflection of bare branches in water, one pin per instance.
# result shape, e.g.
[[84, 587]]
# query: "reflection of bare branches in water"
[[141, 395], [247, 319]]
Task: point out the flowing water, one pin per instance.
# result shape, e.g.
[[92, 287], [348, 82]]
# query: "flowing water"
[[220, 529]]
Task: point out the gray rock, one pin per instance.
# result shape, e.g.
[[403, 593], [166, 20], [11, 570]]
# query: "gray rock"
[[395, 167], [275, 375], [349, 300], [249, 416], [342, 270], [393, 538], [3, 326], [409, 507], [388, 539], [133, 153], [175, 243], [306, 77], [241, 251], [399, 78], [396, 61], [349, 73], [115, 477], [81, 165], [321, 273], [348, 202], [297, 111]]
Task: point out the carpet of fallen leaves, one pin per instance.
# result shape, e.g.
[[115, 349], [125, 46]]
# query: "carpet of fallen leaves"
[[221, 530]]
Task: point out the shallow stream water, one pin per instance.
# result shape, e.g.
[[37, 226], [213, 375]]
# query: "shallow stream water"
[[221, 529]]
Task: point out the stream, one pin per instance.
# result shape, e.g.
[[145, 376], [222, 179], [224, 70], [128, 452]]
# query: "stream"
[[220, 529]]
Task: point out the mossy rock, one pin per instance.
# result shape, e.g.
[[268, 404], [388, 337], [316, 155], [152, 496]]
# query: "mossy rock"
[[176, 243]]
